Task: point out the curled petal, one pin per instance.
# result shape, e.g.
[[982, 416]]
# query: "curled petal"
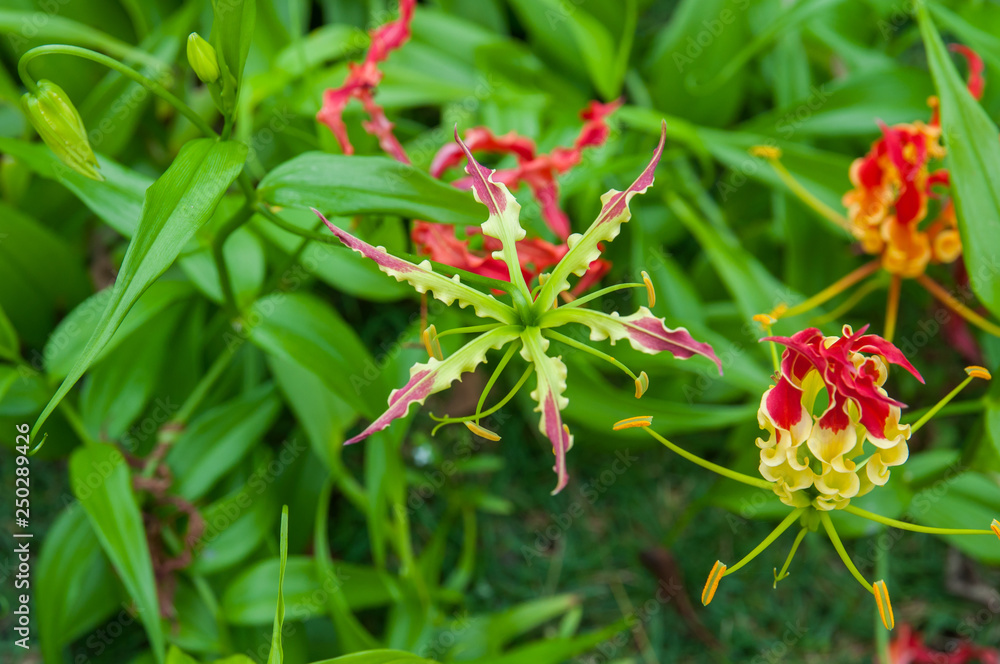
[[976, 81], [503, 223], [583, 249], [424, 279], [437, 375], [551, 375], [644, 331]]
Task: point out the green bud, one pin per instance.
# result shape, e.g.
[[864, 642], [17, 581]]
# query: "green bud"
[[202, 58], [57, 121]]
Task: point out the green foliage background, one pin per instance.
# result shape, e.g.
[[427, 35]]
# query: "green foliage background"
[[450, 547]]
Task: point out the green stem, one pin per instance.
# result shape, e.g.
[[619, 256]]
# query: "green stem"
[[125, 70], [957, 408], [839, 546], [573, 343], [938, 406], [493, 379], [791, 554], [782, 527], [604, 291], [903, 525], [714, 467], [510, 395], [473, 329]]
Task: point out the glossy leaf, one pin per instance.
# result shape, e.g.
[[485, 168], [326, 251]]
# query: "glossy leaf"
[[175, 207], [102, 483]]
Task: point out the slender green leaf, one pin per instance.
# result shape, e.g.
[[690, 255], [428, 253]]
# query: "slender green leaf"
[[175, 207], [102, 483], [277, 655], [974, 164], [367, 185]]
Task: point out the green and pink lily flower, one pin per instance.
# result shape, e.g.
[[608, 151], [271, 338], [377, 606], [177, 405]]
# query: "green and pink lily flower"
[[530, 320]]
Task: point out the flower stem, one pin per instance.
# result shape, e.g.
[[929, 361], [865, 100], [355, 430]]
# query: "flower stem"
[[892, 307], [573, 343], [903, 525], [949, 301], [715, 468], [848, 304], [939, 405], [474, 329], [839, 546], [493, 379], [833, 290], [111, 63], [782, 527], [476, 416]]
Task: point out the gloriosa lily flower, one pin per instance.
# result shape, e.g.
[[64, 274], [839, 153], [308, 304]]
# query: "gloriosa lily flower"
[[528, 322], [538, 172], [893, 186], [361, 82], [813, 461]]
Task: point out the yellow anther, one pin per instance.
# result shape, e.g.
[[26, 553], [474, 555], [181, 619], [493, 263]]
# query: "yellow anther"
[[995, 527], [650, 291], [431, 343], [765, 319], [884, 605], [766, 151], [481, 432], [641, 384], [978, 372], [778, 311], [712, 582], [633, 422]]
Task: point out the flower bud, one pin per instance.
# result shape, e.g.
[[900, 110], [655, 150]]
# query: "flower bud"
[[202, 58], [57, 121]]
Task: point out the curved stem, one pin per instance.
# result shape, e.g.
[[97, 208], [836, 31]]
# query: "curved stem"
[[573, 343], [476, 416], [781, 527], [715, 468], [604, 291], [939, 405], [493, 379], [473, 329], [948, 300], [839, 546], [791, 554], [848, 304], [111, 63], [807, 196], [903, 525]]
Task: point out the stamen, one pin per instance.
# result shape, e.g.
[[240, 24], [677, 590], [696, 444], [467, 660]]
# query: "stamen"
[[978, 372], [832, 290], [712, 582], [973, 372], [641, 384], [481, 431], [884, 605], [650, 291], [633, 422], [714, 467], [773, 156], [477, 415], [995, 527], [431, 343], [949, 301], [604, 291], [848, 304], [766, 321], [778, 576]]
